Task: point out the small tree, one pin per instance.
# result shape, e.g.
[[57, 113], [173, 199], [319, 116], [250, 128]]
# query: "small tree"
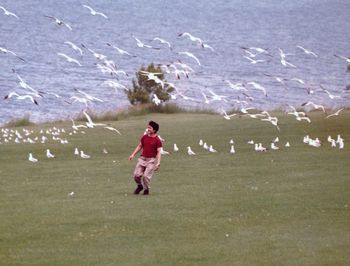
[[144, 87]]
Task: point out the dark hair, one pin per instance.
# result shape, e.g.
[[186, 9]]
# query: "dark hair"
[[154, 125]]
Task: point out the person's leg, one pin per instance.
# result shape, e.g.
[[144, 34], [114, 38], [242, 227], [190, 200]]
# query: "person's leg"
[[147, 175], [138, 173]]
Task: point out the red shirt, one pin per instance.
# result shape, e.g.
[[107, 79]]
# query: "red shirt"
[[150, 146]]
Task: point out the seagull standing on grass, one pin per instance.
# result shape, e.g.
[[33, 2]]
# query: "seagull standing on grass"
[[274, 147], [84, 156], [31, 158], [176, 149], [189, 151], [49, 154], [211, 149]]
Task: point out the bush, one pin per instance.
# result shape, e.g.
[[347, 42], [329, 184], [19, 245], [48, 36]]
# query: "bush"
[[146, 86], [19, 122]]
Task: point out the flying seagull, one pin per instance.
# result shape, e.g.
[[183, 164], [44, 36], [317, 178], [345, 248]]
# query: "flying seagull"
[[60, 22], [307, 51], [69, 59], [6, 51], [74, 46], [336, 113], [94, 13], [21, 97], [347, 59], [192, 38], [121, 51], [8, 13], [190, 55]]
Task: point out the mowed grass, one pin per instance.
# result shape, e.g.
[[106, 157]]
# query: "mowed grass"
[[285, 207]]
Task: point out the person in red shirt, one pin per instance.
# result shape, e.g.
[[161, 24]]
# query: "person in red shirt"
[[149, 161]]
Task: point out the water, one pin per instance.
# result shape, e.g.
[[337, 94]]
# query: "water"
[[321, 26]]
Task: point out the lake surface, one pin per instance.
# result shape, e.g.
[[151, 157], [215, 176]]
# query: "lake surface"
[[322, 27]]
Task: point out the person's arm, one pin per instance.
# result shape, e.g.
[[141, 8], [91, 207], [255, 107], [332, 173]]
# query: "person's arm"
[[137, 149], [158, 157]]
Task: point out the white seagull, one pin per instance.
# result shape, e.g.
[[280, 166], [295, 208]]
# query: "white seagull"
[[69, 59], [307, 51], [6, 51], [21, 97], [49, 154], [253, 61], [176, 149], [227, 116], [84, 156], [95, 54], [90, 123], [211, 149], [315, 106], [74, 47], [192, 38], [60, 22], [94, 13], [8, 13], [190, 55], [347, 59], [119, 50], [189, 151], [258, 87], [239, 86], [31, 158], [330, 95], [143, 45], [112, 129], [163, 41], [336, 113], [88, 96]]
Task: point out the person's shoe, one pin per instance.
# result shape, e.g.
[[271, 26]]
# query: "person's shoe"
[[146, 192], [138, 189]]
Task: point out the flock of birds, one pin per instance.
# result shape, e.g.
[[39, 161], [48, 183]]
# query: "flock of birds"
[[242, 93], [182, 66], [61, 135]]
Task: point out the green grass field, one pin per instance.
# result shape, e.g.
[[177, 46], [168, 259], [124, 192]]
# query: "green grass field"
[[285, 207]]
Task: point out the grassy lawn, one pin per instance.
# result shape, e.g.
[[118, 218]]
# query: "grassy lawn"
[[285, 207]]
